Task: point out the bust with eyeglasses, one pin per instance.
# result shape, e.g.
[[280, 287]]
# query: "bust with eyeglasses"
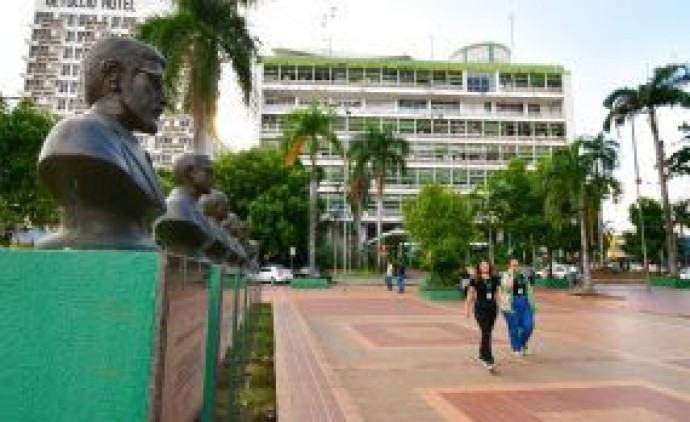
[[94, 166]]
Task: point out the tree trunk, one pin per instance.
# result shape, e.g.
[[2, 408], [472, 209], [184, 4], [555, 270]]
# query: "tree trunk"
[[668, 218], [358, 233], [587, 285], [199, 142], [313, 200], [379, 219], [602, 250]]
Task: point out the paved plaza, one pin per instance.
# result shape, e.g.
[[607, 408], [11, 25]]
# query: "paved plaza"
[[365, 354]]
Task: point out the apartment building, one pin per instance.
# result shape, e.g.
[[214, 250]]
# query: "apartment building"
[[61, 34], [465, 117]]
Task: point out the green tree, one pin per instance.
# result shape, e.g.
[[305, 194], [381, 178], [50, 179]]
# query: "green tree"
[[22, 131], [602, 154], [166, 179], [278, 216], [679, 161], [196, 39], [271, 197], [441, 221], [358, 195], [306, 131], [245, 175], [664, 89], [513, 201], [565, 186], [653, 217], [384, 154]]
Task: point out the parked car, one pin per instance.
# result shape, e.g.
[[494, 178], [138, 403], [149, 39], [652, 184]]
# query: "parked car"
[[684, 273], [273, 274], [561, 271], [304, 273]]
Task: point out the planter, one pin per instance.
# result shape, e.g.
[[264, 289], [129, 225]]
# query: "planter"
[[673, 283], [552, 283], [310, 283], [442, 295]]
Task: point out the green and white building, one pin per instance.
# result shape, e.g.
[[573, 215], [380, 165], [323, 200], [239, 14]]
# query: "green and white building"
[[465, 118]]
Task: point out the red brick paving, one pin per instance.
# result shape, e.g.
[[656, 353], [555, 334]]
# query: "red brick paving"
[[363, 354], [417, 334], [526, 405]]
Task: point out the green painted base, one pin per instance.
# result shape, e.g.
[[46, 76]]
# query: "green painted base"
[[674, 283], [442, 295], [78, 330], [552, 283], [310, 283]]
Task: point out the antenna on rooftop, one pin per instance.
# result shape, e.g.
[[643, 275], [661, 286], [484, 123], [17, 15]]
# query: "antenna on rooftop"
[[326, 19], [511, 18]]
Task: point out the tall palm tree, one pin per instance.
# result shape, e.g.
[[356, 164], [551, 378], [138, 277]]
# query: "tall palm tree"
[[384, 153], [664, 89], [306, 131], [603, 154], [195, 40], [360, 182], [565, 186]]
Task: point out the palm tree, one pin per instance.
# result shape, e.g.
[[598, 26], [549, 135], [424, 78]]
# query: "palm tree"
[[196, 39], [360, 182], [565, 187], [384, 153], [664, 89], [306, 131], [603, 154]]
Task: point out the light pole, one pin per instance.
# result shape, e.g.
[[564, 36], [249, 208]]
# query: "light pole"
[[346, 208], [640, 216]]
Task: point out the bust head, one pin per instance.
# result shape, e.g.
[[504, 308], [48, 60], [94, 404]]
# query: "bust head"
[[194, 172], [93, 165], [124, 78], [215, 205]]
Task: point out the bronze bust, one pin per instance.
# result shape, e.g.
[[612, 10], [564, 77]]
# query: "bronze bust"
[[183, 229], [225, 247], [92, 164]]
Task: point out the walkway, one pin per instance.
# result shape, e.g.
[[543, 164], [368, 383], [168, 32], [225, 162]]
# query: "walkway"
[[363, 354]]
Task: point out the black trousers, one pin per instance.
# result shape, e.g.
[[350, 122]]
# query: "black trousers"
[[485, 314]]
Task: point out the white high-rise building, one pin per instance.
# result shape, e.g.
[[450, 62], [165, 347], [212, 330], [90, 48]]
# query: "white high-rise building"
[[465, 118], [61, 34]]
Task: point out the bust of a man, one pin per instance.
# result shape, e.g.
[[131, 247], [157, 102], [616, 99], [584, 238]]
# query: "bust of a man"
[[93, 165], [216, 207], [183, 228]]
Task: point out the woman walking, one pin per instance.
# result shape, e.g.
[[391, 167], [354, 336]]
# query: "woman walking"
[[520, 317], [481, 293]]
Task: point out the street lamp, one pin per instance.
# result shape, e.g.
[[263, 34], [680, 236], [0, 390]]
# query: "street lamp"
[[346, 208], [638, 182]]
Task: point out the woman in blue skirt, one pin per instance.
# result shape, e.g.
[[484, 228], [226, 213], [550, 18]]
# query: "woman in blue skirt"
[[520, 316]]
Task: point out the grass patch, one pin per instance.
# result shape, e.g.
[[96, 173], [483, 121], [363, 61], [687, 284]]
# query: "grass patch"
[[249, 375]]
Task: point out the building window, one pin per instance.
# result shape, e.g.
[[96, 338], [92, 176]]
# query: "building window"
[[322, 74], [422, 77], [67, 54], [525, 129], [373, 75], [557, 130], [509, 108], [455, 78], [476, 177], [508, 129], [423, 126], [554, 81], [490, 128], [537, 80], [521, 80], [390, 76], [474, 128], [270, 73], [355, 74], [288, 73], [460, 177], [389, 124], [525, 153], [458, 127], [357, 124], [412, 104], [66, 70], [440, 126], [443, 176], [492, 153], [478, 82], [407, 77], [541, 130], [407, 126], [439, 78], [508, 152], [70, 36], [340, 74], [426, 176], [305, 73], [533, 109]]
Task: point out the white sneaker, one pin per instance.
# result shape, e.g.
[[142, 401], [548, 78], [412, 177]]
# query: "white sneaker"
[[518, 353]]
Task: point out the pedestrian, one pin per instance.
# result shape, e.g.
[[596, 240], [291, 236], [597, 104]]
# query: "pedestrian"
[[389, 276], [401, 277], [482, 294], [520, 315]]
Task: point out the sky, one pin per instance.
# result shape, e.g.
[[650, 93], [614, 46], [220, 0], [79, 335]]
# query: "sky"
[[605, 44]]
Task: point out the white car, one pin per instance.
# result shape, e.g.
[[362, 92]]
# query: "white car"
[[684, 273], [560, 271], [273, 274]]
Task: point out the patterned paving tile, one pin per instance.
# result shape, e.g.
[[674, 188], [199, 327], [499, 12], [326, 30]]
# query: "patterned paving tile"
[[368, 306], [566, 404], [416, 334]]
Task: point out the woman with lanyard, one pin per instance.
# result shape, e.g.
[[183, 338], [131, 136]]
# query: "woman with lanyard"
[[520, 316], [482, 292]]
